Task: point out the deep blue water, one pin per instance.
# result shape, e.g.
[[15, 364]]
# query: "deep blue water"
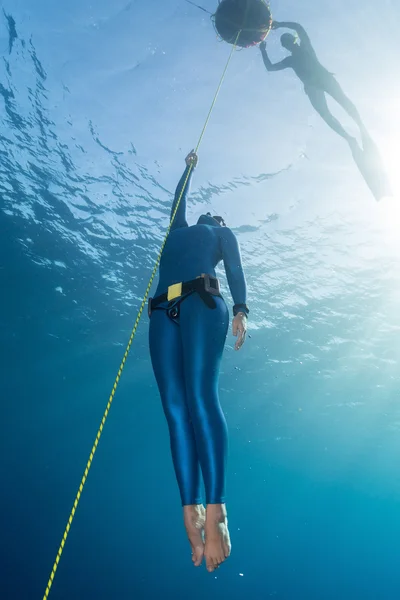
[[99, 105]]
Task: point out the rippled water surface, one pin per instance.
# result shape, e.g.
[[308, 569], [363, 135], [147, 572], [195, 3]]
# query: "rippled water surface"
[[99, 105]]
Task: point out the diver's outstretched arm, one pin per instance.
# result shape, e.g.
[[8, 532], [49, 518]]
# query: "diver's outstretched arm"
[[279, 66], [299, 29], [181, 193]]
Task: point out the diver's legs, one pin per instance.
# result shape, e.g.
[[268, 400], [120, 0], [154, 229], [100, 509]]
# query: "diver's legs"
[[167, 360], [203, 337], [318, 100], [334, 89], [203, 333]]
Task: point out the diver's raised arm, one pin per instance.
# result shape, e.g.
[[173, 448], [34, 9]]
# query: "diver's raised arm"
[[182, 191], [279, 66]]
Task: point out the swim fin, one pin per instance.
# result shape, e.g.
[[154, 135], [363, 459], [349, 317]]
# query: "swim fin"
[[370, 165]]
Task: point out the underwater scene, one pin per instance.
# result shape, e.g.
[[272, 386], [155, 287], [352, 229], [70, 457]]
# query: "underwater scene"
[[200, 291]]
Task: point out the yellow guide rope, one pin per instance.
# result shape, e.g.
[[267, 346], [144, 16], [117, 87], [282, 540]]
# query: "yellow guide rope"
[[122, 365]]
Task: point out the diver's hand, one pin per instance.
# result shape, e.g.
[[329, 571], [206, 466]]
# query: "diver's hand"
[[239, 328], [192, 159]]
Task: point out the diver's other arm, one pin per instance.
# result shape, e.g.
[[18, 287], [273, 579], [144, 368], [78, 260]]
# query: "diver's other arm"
[[237, 284], [283, 64], [182, 192], [239, 329]]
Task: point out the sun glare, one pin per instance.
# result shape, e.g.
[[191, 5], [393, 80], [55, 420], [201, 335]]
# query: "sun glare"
[[390, 151], [389, 206]]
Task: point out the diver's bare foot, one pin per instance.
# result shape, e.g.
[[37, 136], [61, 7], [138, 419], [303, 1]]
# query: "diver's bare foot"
[[194, 517], [218, 543]]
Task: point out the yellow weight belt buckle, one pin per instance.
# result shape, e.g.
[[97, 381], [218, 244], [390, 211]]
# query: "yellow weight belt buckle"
[[174, 291]]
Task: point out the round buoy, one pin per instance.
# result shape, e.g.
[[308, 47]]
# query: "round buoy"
[[252, 18]]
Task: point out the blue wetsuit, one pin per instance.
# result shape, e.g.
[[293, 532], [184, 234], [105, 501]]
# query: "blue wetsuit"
[[186, 344]]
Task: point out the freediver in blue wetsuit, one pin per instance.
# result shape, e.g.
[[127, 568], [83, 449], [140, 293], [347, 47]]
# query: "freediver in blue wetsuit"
[[188, 329]]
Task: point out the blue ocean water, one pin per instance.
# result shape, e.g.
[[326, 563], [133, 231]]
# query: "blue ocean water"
[[99, 106]]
